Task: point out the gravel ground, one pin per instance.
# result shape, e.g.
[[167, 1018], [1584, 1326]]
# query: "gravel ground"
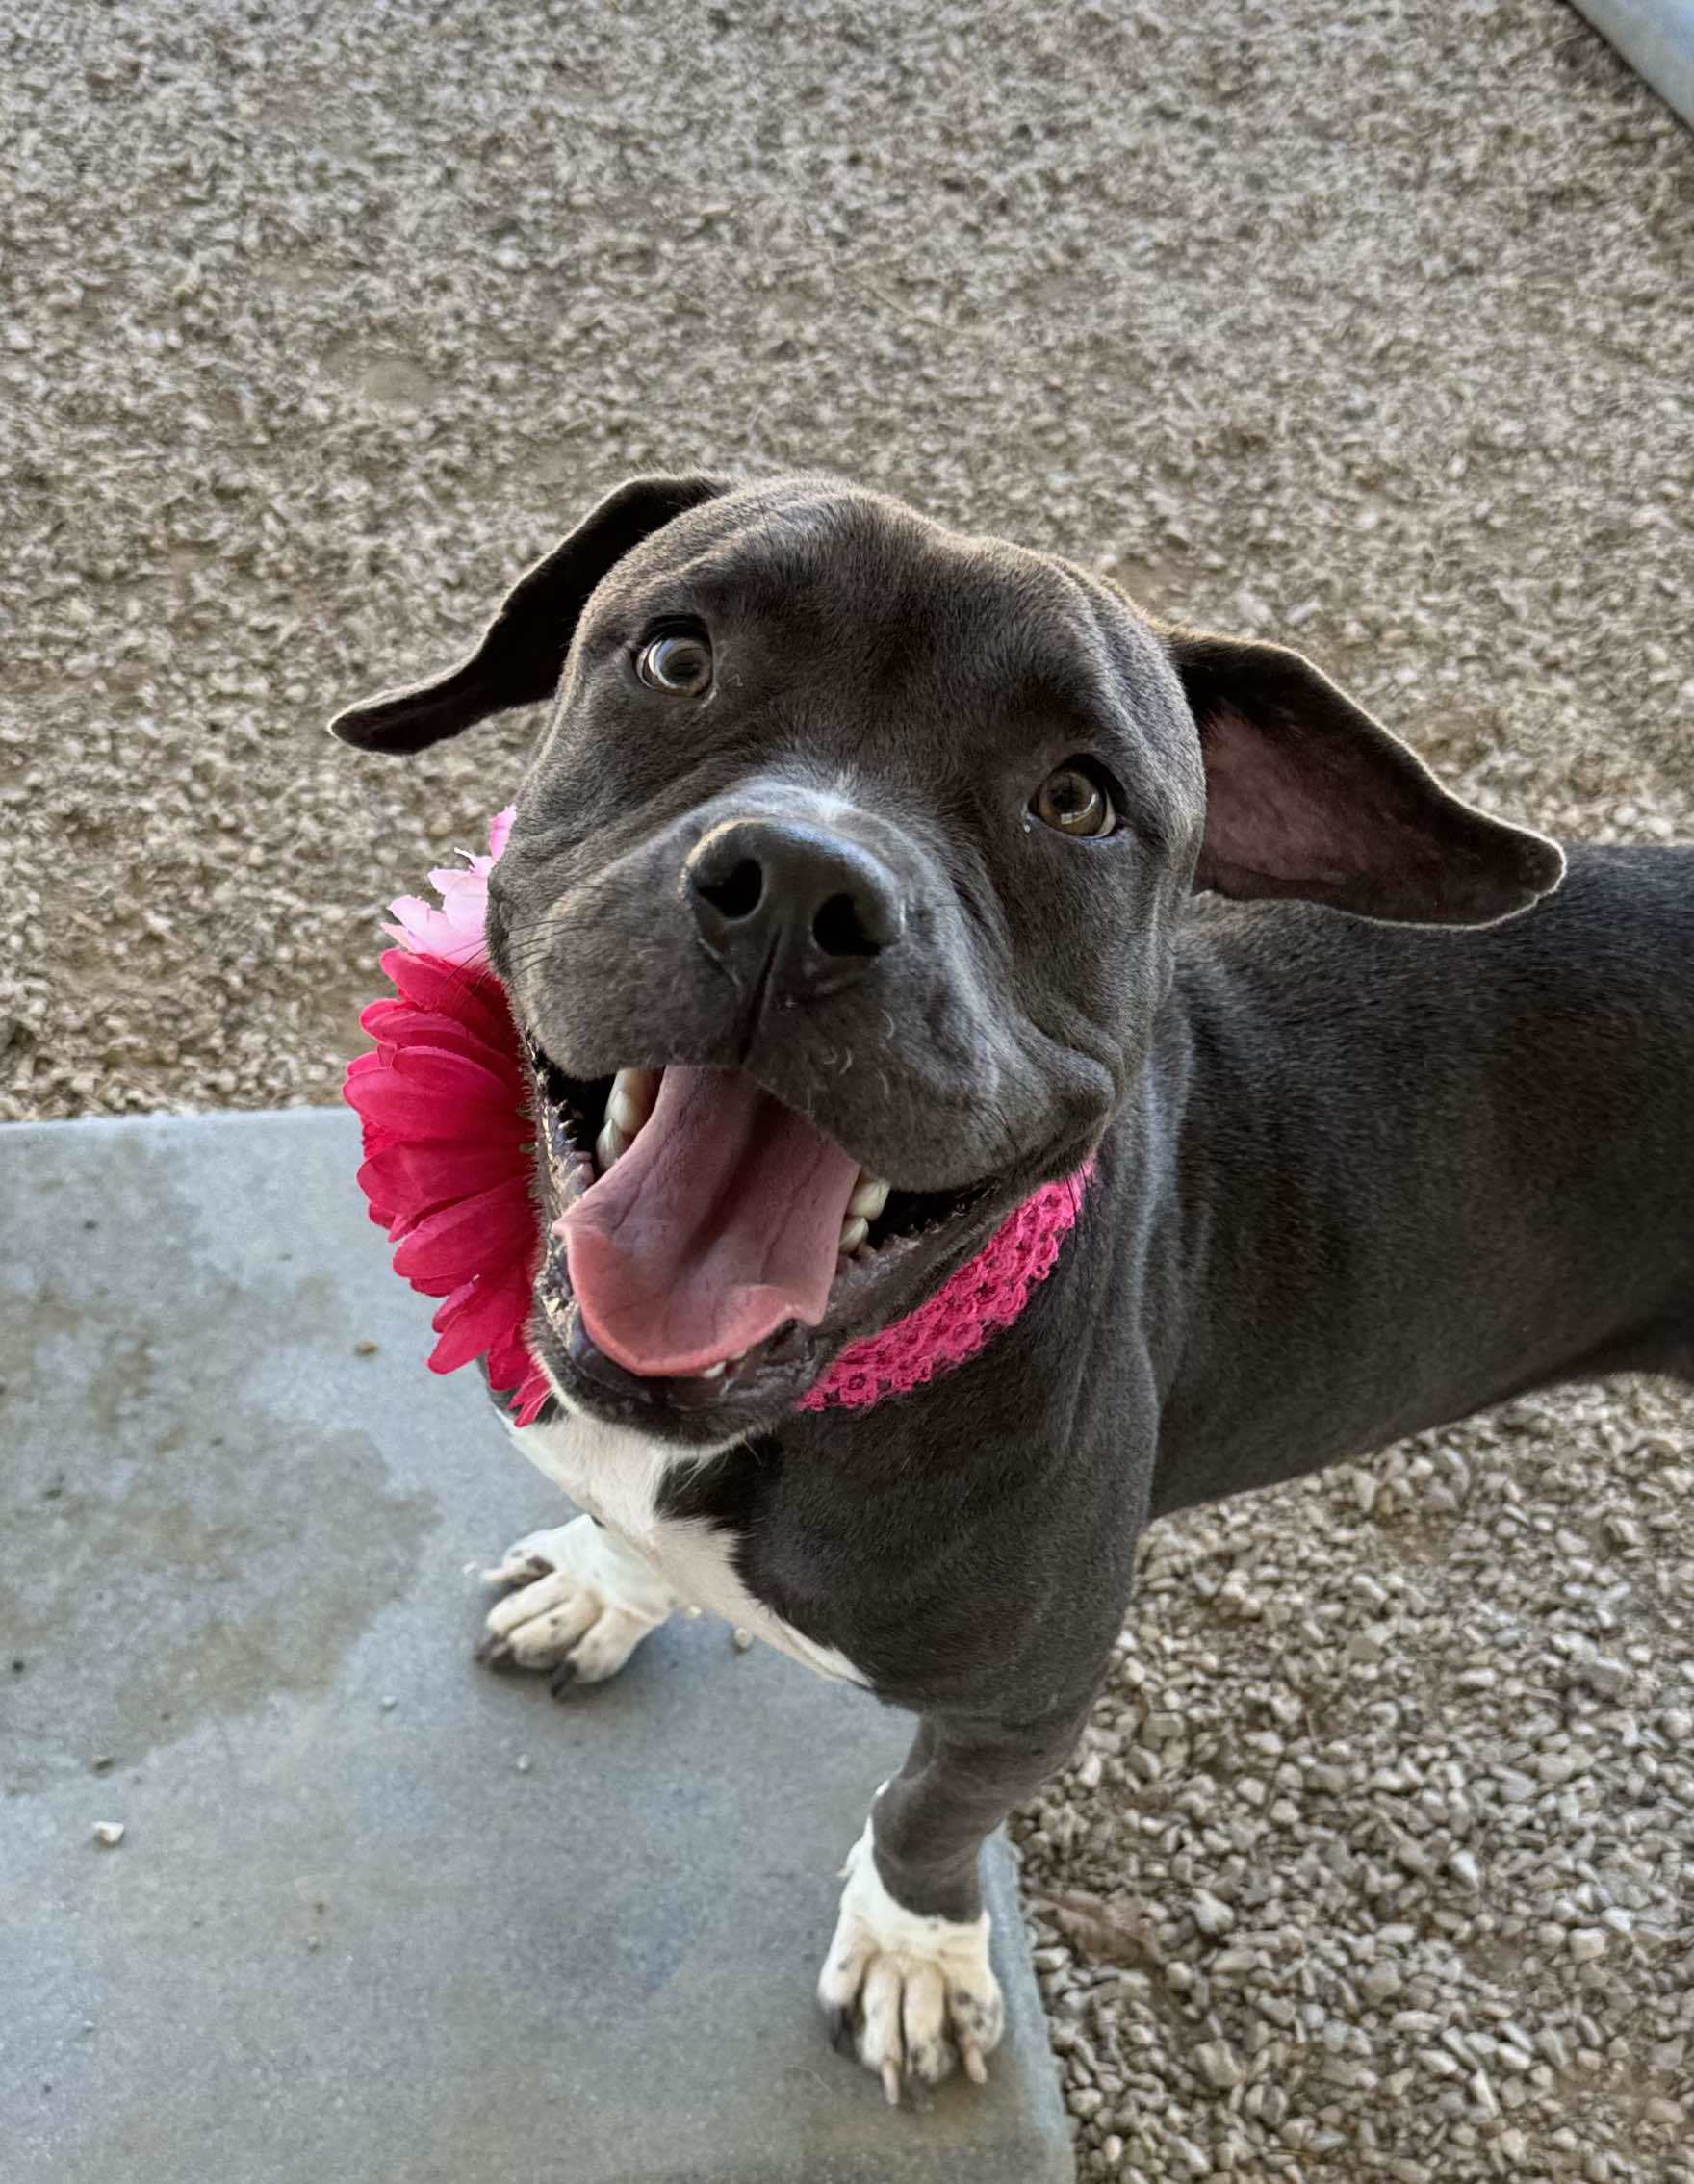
[[1362, 326]]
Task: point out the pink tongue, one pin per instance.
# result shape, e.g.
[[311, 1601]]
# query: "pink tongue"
[[718, 1224]]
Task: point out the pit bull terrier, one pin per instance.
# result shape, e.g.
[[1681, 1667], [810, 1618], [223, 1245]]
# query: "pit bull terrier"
[[894, 915]]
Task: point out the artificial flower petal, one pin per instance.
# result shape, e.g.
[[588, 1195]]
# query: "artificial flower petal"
[[426, 1093], [496, 1224], [474, 1317], [423, 1176], [397, 1023]]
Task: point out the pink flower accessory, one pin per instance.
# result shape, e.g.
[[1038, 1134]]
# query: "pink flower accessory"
[[448, 1135], [445, 1109]]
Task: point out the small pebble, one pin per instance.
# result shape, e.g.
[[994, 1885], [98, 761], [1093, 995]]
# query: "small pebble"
[[1380, 1981], [1219, 2063], [1211, 1914], [109, 1834]]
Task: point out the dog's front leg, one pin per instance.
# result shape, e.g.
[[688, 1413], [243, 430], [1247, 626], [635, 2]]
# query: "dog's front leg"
[[908, 1979]]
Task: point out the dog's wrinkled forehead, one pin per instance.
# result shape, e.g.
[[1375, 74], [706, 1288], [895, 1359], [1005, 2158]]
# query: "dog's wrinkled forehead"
[[858, 638], [832, 592], [840, 556]]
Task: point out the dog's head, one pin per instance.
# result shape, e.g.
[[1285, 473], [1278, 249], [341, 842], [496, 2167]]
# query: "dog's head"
[[841, 897]]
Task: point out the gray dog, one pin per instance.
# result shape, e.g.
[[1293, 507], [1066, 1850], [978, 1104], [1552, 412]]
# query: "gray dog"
[[869, 879]]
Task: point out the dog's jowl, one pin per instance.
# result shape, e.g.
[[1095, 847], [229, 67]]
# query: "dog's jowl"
[[1005, 1070]]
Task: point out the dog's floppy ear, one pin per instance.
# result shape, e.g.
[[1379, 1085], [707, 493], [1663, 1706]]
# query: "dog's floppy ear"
[[1306, 795], [523, 653]]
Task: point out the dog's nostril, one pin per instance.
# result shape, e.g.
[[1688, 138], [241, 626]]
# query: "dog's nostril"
[[839, 930], [738, 893]]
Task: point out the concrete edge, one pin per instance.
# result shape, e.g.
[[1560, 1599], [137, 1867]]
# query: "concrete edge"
[[1657, 39], [166, 1120], [1045, 2113]]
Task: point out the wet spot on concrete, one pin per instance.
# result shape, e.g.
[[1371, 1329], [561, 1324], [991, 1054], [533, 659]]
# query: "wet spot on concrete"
[[193, 1527]]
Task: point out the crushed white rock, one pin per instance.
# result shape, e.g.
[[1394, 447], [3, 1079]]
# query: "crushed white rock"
[[1457, 1941], [1366, 324]]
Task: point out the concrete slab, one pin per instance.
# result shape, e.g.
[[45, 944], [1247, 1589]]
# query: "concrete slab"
[[378, 1917]]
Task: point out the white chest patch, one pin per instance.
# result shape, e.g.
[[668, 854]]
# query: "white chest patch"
[[616, 1475]]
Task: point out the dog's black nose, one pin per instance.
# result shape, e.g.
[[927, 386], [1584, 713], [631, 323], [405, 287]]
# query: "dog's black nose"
[[793, 903]]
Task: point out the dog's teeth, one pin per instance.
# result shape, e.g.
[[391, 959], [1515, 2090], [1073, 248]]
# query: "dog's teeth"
[[610, 1143], [630, 1102], [853, 1233], [715, 1371], [869, 1198]]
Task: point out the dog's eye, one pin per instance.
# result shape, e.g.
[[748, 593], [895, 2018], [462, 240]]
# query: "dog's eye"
[[680, 661], [1073, 800]]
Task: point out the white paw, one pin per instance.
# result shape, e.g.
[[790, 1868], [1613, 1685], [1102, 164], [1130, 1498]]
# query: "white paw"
[[917, 1994], [584, 1600]]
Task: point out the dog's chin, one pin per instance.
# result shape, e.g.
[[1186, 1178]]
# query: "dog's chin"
[[915, 1243]]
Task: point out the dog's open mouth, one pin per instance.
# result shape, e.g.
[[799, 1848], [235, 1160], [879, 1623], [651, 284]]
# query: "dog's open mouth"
[[705, 1240]]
